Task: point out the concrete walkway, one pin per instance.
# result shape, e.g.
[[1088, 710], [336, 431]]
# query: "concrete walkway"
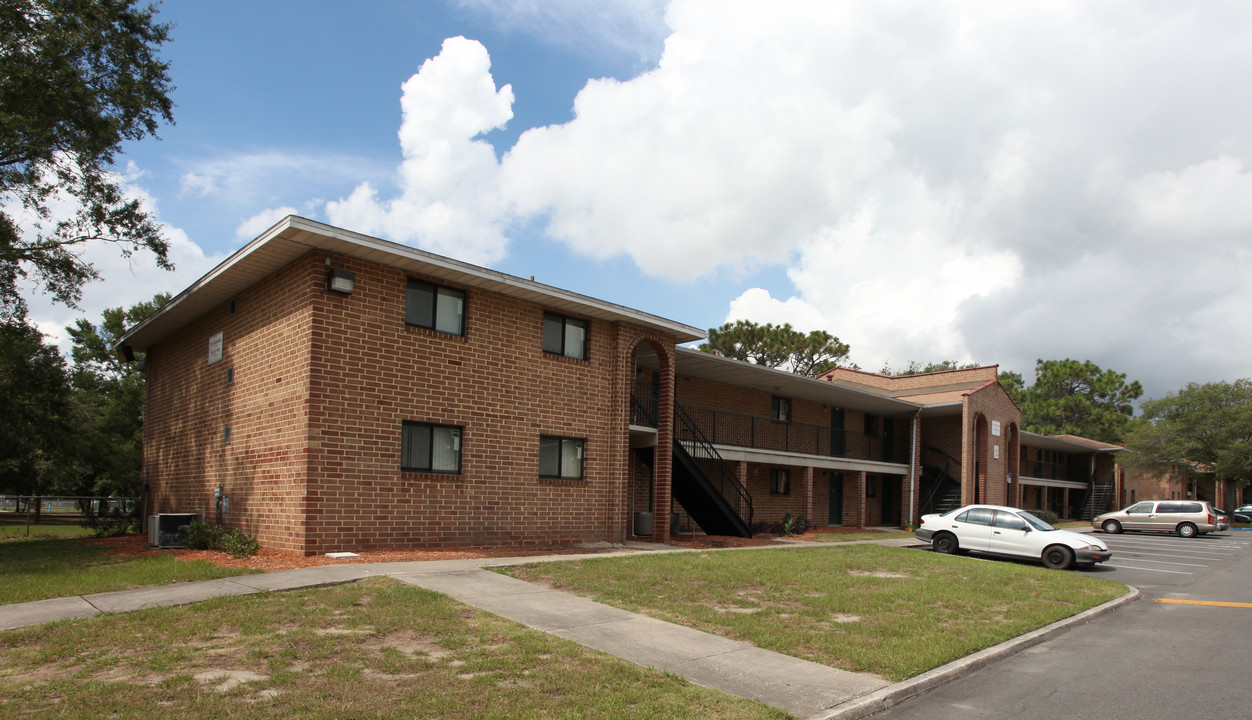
[[804, 689]]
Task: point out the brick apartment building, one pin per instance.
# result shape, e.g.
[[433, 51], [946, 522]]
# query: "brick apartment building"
[[341, 392]]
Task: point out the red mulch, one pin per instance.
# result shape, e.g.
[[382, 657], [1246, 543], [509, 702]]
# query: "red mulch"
[[271, 560]]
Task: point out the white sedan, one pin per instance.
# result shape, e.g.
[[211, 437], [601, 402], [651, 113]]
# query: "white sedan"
[[1011, 532]]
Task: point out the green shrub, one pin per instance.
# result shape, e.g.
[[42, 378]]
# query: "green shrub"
[[236, 542], [202, 536], [239, 543], [112, 522]]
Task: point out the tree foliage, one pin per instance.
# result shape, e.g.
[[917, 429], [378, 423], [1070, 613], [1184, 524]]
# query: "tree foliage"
[[777, 346], [1204, 428], [75, 430], [1070, 397], [77, 79], [917, 368], [36, 427], [110, 395]]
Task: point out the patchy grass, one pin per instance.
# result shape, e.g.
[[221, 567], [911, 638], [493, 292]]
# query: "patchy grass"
[[865, 608], [13, 532], [42, 569], [376, 649]]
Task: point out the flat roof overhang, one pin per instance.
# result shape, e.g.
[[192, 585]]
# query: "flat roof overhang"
[[293, 236], [696, 363], [1062, 444]]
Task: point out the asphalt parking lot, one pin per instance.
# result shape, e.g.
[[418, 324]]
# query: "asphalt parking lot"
[[1156, 563], [1162, 656]]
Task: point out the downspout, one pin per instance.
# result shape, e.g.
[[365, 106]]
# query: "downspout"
[[913, 451]]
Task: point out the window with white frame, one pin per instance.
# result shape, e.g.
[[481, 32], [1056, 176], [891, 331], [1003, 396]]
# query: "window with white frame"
[[561, 457], [430, 448], [435, 307], [564, 336]]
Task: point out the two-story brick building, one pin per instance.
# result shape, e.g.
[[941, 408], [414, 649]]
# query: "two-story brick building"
[[340, 392]]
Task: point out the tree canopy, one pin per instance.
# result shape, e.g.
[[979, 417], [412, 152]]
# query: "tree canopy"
[[777, 346], [77, 79], [1070, 397], [1204, 428], [918, 368], [38, 419]]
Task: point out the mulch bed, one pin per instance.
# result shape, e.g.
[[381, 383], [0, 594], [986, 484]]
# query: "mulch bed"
[[271, 560]]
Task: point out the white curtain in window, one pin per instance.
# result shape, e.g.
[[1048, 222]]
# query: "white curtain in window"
[[571, 458], [446, 449], [448, 310]]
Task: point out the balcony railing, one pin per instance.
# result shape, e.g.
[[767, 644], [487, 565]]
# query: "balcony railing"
[[1055, 471], [723, 427]]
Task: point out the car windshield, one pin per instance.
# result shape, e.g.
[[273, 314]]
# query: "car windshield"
[[1035, 522]]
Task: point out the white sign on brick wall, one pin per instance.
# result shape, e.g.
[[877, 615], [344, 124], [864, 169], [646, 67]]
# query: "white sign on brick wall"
[[215, 348], [995, 428]]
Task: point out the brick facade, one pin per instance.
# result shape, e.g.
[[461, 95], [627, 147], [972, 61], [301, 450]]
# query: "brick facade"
[[300, 422]]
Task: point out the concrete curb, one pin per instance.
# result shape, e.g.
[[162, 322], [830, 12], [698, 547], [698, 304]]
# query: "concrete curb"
[[885, 698]]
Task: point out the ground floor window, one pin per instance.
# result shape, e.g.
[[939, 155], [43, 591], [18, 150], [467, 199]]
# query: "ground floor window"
[[430, 448], [561, 457], [779, 481]]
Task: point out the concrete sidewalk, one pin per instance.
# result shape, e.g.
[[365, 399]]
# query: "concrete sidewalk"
[[804, 689]]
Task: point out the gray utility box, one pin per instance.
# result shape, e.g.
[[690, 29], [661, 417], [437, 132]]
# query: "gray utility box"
[[169, 529], [643, 524]]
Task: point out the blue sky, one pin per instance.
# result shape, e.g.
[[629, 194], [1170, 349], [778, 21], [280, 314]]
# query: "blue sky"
[[972, 181]]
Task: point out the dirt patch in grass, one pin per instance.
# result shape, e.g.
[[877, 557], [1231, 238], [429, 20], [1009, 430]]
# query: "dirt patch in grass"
[[267, 560]]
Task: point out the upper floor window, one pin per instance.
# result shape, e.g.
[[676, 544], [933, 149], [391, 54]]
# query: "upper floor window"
[[435, 307], [780, 409], [561, 457], [564, 336], [430, 448]]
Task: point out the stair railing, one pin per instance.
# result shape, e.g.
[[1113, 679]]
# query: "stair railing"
[[723, 477]]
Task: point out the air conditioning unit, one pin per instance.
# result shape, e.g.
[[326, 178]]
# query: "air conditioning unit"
[[168, 530]]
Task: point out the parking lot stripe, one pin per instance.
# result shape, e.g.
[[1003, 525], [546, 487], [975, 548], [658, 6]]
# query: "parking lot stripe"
[[1135, 557], [1204, 602], [1132, 567]]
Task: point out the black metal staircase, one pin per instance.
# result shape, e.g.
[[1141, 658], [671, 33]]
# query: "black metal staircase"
[[1097, 500], [704, 483], [943, 473], [701, 480]]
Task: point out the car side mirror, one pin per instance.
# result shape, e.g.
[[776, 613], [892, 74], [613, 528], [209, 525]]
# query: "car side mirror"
[[1027, 529]]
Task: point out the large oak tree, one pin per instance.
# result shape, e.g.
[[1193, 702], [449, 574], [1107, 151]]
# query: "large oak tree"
[[77, 79]]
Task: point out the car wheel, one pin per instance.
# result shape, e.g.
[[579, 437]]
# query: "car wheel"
[[946, 543], [1186, 530], [1112, 527], [1058, 557]]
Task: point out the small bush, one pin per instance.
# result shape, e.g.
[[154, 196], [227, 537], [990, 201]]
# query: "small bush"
[[238, 543], [112, 522], [202, 536], [789, 525], [235, 542]]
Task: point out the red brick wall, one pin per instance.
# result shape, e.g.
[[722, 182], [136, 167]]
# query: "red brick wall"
[[263, 469], [323, 384], [991, 403]]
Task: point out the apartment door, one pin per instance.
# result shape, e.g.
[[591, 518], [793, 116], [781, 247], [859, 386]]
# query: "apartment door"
[[838, 446], [835, 516], [890, 500]]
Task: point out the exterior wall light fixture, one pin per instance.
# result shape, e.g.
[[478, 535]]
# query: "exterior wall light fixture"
[[340, 281]]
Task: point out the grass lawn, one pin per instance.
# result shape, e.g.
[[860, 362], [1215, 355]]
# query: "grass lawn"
[[13, 532], [41, 569], [376, 649], [890, 611]]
